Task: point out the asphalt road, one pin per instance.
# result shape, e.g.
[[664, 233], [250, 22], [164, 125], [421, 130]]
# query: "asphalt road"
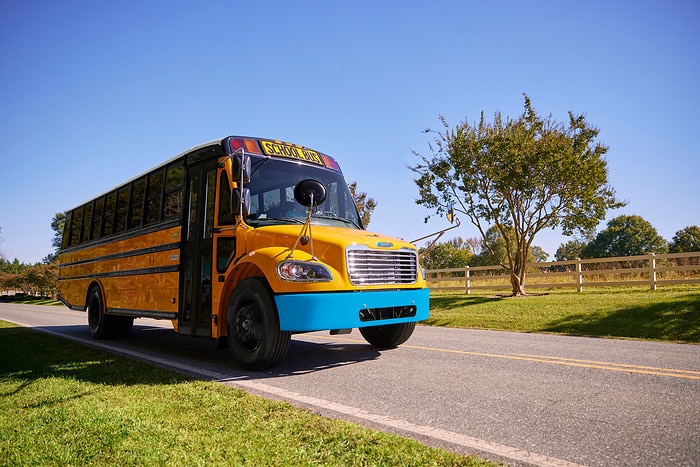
[[524, 399]]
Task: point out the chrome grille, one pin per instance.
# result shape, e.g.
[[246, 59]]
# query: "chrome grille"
[[381, 267]]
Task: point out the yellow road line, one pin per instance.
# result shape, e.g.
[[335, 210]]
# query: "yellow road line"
[[609, 366]]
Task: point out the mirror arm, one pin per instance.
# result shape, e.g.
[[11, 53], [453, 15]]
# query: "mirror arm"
[[439, 232]]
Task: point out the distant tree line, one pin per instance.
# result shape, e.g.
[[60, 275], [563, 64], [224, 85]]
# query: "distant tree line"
[[627, 235], [37, 279], [33, 279]]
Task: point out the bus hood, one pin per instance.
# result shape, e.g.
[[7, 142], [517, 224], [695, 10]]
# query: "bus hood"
[[322, 237]]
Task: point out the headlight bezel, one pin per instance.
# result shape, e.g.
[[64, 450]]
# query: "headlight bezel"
[[293, 270]]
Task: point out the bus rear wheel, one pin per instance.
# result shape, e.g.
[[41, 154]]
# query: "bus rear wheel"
[[388, 336], [252, 327], [102, 325]]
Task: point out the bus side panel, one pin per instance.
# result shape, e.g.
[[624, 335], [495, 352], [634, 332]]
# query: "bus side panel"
[[137, 273]]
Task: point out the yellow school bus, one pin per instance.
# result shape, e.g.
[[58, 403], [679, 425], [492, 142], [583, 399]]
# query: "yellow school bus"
[[246, 240]]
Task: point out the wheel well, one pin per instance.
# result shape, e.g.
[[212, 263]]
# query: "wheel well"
[[244, 271], [102, 293]]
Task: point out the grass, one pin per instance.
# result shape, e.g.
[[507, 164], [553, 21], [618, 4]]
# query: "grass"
[[62, 403], [29, 300], [668, 314]]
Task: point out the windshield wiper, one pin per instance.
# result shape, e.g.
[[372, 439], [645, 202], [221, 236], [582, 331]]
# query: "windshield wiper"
[[342, 219], [295, 220]]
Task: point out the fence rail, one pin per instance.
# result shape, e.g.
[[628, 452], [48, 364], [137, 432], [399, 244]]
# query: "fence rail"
[[652, 270]]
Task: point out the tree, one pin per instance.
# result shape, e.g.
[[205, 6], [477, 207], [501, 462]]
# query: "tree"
[[499, 249], [570, 250], [526, 174], [57, 224], [365, 205], [625, 236], [454, 253], [686, 240]]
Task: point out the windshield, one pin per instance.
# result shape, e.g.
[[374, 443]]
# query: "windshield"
[[272, 195]]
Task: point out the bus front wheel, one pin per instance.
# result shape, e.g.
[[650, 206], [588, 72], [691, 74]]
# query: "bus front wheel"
[[388, 336], [252, 327]]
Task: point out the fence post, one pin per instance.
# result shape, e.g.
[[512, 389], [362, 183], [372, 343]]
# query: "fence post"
[[652, 270], [580, 275], [467, 280]]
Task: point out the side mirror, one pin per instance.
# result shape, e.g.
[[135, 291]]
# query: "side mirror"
[[310, 193], [240, 197], [241, 167]]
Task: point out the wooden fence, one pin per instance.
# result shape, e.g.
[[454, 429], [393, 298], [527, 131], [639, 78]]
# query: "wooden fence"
[[652, 270]]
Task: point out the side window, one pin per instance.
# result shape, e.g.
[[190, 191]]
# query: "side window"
[[65, 243], [122, 209], [173, 191], [192, 209], [108, 221], [137, 193], [209, 204], [154, 196], [87, 218], [76, 225], [225, 214], [97, 218]]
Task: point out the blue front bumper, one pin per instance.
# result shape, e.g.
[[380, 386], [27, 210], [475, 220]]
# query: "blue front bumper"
[[341, 310]]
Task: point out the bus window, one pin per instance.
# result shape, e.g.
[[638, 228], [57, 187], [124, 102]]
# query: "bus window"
[[75, 226], [108, 220], [97, 218], [173, 191], [225, 212], [154, 196], [209, 204], [122, 207], [192, 209], [137, 194], [87, 218]]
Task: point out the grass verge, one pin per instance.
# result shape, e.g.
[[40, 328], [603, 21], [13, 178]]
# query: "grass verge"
[[669, 314], [62, 403]]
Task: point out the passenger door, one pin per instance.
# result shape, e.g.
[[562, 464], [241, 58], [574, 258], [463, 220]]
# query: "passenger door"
[[195, 314]]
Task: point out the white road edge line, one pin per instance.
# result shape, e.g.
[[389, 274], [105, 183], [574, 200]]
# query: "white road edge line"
[[506, 453]]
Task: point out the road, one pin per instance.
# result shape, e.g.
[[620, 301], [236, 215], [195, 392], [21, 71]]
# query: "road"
[[523, 399]]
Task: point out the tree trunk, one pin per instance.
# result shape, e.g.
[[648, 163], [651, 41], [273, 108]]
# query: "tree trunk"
[[517, 275], [518, 285]]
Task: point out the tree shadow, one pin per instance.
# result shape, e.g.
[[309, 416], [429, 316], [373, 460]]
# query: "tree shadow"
[[677, 320], [457, 301], [30, 357], [450, 302]]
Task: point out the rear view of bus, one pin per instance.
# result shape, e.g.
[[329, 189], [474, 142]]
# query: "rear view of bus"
[[264, 241]]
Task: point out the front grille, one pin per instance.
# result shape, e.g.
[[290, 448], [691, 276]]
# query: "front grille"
[[381, 267], [390, 312]]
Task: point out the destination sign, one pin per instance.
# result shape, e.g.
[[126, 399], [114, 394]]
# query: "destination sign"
[[280, 149]]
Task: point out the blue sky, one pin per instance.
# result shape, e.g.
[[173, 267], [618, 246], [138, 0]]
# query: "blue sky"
[[95, 92]]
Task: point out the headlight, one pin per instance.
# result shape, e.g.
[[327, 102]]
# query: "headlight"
[[303, 271]]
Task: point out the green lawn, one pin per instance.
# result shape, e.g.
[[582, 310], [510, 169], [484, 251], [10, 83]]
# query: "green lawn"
[[62, 403], [670, 314]]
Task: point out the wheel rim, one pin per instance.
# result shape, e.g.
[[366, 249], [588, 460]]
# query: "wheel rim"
[[248, 327]]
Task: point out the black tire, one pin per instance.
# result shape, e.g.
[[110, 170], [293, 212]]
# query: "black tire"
[[253, 327], [101, 326], [389, 336], [122, 326]]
